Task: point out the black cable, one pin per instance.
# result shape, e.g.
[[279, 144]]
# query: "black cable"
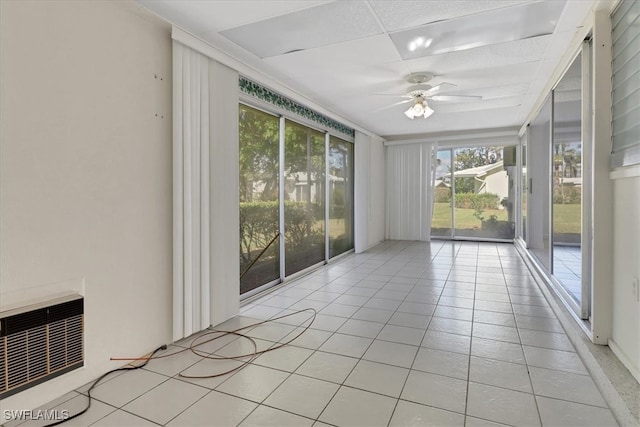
[[103, 376]]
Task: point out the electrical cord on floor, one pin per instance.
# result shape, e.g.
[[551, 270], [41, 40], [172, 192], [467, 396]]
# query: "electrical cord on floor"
[[103, 376], [193, 347], [220, 334]]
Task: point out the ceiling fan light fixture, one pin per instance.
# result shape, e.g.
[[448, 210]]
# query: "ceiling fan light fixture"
[[419, 108]]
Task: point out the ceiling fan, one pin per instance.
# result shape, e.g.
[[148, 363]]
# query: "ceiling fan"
[[419, 92]]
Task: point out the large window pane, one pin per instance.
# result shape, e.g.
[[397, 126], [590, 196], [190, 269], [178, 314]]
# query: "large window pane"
[[340, 196], [524, 186], [567, 180], [441, 221], [538, 172], [258, 198], [483, 193], [304, 206]]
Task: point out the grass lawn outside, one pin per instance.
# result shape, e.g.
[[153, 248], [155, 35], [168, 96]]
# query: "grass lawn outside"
[[566, 218], [464, 217]]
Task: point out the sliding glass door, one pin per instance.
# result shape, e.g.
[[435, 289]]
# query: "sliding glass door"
[[304, 194], [296, 198], [539, 173], [340, 196], [442, 206], [567, 180], [474, 193], [553, 199], [259, 201]]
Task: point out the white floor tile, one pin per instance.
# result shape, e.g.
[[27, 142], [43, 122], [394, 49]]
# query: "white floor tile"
[[211, 372], [442, 362], [563, 413], [436, 390], [413, 414], [311, 338], [498, 350], [502, 405], [477, 422], [215, 409], [496, 332], [494, 318], [410, 320], [501, 307], [554, 359], [346, 345], [302, 395], [172, 365], [539, 324], [533, 310], [97, 411], [498, 373], [287, 358], [253, 382], [122, 419], [447, 342], [328, 366], [451, 326], [361, 328], [270, 331], [244, 347], [401, 334], [126, 387], [546, 339], [328, 323], [378, 378], [391, 353], [351, 407], [265, 416], [166, 401], [339, 310], [566, 386], [453, 313], [417, 308], [373, 315], [383, 303], [355, 300]]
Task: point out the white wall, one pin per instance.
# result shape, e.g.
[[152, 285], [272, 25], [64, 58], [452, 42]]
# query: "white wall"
[[625, 340], [85, 183], [377, 191], [369, 191], [362, 149]]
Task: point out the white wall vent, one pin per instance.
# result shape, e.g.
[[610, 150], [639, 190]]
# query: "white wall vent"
[[39, 342]]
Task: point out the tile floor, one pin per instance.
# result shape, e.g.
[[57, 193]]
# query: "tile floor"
[[408, 333], [567, 267]]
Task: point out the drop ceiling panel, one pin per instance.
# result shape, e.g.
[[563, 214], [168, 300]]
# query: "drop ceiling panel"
[[309, 28], [483, 29], [443, 107], [399, 15], [375, 65], [499, 55], [204, 16]]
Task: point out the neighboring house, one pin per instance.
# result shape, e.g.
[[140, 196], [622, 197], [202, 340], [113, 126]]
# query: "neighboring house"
[[299, 189], [492, 178]]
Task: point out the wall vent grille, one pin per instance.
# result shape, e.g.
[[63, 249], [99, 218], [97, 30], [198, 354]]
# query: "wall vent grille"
[[40, 342]]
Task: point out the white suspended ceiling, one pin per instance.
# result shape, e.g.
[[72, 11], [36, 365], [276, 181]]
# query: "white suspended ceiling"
[[353, 56]]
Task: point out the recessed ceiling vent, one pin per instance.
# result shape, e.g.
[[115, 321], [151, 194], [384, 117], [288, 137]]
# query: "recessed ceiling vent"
[[40, 342]]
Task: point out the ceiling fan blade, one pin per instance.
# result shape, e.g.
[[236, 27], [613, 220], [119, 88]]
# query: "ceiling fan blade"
[[392, 105], [455, 98], [439, 88], [392, 94]]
